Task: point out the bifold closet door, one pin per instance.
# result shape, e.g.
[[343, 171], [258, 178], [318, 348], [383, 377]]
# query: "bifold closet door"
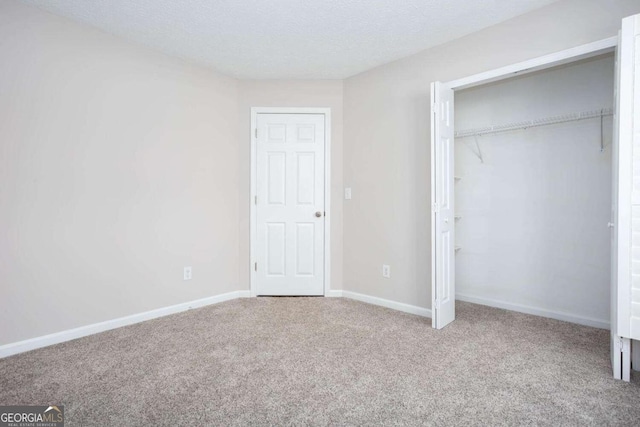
[[443, 295], [625, 223]]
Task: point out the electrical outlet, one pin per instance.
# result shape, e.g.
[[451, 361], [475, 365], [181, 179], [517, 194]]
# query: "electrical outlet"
[[347, 193], [386, 271], [187, 273]]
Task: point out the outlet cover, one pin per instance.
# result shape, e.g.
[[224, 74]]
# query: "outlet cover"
[[386, 271], [187, 273]]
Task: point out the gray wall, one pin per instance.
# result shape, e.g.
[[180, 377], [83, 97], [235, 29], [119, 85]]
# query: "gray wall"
[[114, 174]]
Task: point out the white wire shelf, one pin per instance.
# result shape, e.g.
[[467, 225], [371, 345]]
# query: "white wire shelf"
[[563, 118]]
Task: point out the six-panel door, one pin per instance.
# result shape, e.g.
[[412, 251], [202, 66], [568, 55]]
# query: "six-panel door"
[[290, 204]]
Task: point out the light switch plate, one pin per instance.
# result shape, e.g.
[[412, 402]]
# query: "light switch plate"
[[386, 271]]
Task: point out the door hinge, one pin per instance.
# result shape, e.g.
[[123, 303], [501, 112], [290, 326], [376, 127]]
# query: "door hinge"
[[255, 266], [434, 108], [435, 208]]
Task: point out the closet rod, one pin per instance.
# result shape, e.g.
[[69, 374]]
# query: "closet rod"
[[533, 123]]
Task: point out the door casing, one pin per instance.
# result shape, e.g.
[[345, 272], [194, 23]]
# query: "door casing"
[[327, 188]]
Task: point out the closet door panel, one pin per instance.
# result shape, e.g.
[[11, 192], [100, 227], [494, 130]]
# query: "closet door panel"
[[442, 200], [627, 221], [633, 97]]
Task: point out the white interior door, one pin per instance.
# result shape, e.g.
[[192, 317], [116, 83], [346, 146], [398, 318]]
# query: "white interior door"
[[625, 240], [290, 210], [442, 212]]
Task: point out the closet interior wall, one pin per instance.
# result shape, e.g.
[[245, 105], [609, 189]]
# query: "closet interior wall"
[[533, 204]]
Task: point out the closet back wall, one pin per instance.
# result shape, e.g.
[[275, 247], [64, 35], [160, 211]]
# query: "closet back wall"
[[534, 229]]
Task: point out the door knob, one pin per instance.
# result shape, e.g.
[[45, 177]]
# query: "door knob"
[[318, 214]]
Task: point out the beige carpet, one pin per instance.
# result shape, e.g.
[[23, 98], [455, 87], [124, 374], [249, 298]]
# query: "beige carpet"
[[328, 361]]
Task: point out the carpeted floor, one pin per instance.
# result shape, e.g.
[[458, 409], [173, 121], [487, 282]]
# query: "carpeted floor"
[[328, 361]]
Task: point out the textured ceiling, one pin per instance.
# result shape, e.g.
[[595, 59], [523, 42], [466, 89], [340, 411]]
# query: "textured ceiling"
[[282, 39]]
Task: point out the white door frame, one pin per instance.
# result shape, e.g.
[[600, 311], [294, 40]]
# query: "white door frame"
[[327, 187], [536, 64]]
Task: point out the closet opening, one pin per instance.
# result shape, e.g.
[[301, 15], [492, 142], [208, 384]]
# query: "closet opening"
[[547, 147], [533, 191], [525, 183]]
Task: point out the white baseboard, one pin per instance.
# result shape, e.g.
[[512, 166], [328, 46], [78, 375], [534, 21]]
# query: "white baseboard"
[[333, 293], [83, 331], [587, 321], [394, 305]]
